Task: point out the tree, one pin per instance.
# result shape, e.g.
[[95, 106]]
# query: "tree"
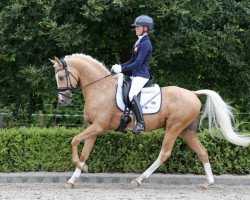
[[197, 44]]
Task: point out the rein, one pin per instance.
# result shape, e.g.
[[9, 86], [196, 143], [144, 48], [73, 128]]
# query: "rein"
[[70, 87], [96, 80]]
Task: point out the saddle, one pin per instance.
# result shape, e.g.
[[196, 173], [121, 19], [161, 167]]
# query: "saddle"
[[149, 92], [127, 81]]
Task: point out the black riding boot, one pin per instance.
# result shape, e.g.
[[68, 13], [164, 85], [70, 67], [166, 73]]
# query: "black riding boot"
[[136, 107]]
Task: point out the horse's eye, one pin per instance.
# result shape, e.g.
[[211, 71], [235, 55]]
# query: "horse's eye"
[[61, 78]]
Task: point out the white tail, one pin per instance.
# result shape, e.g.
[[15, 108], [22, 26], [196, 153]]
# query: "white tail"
[[219, 113]]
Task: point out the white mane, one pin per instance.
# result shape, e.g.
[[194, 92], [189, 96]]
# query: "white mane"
[[86, 57]]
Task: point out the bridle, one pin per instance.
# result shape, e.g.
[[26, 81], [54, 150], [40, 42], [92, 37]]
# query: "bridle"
[[69, 86]]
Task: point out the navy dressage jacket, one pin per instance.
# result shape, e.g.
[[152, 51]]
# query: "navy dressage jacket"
[[139, 62]]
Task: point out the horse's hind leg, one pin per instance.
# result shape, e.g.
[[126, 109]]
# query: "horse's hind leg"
[[88, 145], [167, 145], [189, 134]]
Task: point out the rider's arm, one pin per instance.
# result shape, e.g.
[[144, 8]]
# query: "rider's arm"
[[144, 50]]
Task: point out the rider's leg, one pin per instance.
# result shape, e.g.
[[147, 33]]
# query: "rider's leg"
[[136, 107], [136, 87]]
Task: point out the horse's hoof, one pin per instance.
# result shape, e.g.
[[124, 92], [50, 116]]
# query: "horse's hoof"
[[206, 185], [135, 183], [69, 185]]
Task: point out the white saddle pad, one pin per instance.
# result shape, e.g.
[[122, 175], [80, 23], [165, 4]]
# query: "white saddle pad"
[[150, 97]]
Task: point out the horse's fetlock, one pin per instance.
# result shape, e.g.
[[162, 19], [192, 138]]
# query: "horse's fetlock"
[[203, 156], [164, 156]]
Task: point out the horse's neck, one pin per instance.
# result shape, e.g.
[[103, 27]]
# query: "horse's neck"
[[88, 70], [93, 80], [100, 92]]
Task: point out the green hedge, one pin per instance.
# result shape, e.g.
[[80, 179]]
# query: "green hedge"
[[196, 45], [36, 149]]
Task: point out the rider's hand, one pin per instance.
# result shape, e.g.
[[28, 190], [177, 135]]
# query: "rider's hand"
[[116, 68]]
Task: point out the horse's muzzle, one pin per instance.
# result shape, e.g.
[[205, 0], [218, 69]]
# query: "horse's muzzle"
[[63, 100]]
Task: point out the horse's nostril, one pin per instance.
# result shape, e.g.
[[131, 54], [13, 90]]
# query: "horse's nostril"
[[61, 101]]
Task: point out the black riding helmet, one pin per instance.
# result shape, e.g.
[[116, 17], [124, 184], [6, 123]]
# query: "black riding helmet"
[[144, 20]]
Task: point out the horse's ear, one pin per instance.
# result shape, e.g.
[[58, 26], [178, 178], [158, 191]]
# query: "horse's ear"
[[53, 62], [57, 60]]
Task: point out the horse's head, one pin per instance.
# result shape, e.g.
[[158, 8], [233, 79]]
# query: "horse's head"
[[67, 80]]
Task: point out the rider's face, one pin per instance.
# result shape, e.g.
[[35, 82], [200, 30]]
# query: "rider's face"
[[139, 30]]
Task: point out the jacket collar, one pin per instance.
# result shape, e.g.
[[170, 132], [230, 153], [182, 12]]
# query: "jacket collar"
[[145, 37], [141, 39]]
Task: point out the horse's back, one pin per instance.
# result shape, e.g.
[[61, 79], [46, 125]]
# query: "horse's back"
[[177, 99], [178, 92]]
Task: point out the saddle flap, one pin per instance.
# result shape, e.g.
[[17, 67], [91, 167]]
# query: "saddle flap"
[[150, 97]]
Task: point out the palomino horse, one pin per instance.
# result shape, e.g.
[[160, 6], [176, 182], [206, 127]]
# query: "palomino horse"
[[179, 113]]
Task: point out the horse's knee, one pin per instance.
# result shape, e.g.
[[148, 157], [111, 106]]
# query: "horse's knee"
[[75, 141], [164, 156]]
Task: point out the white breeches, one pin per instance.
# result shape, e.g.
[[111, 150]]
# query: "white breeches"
[[136, 86]]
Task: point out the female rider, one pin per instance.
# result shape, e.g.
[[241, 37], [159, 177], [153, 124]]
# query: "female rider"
[[139, 66]]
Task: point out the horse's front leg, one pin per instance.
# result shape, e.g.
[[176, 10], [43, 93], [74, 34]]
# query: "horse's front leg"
[[92, 131], [88, 145], [89, 135]]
